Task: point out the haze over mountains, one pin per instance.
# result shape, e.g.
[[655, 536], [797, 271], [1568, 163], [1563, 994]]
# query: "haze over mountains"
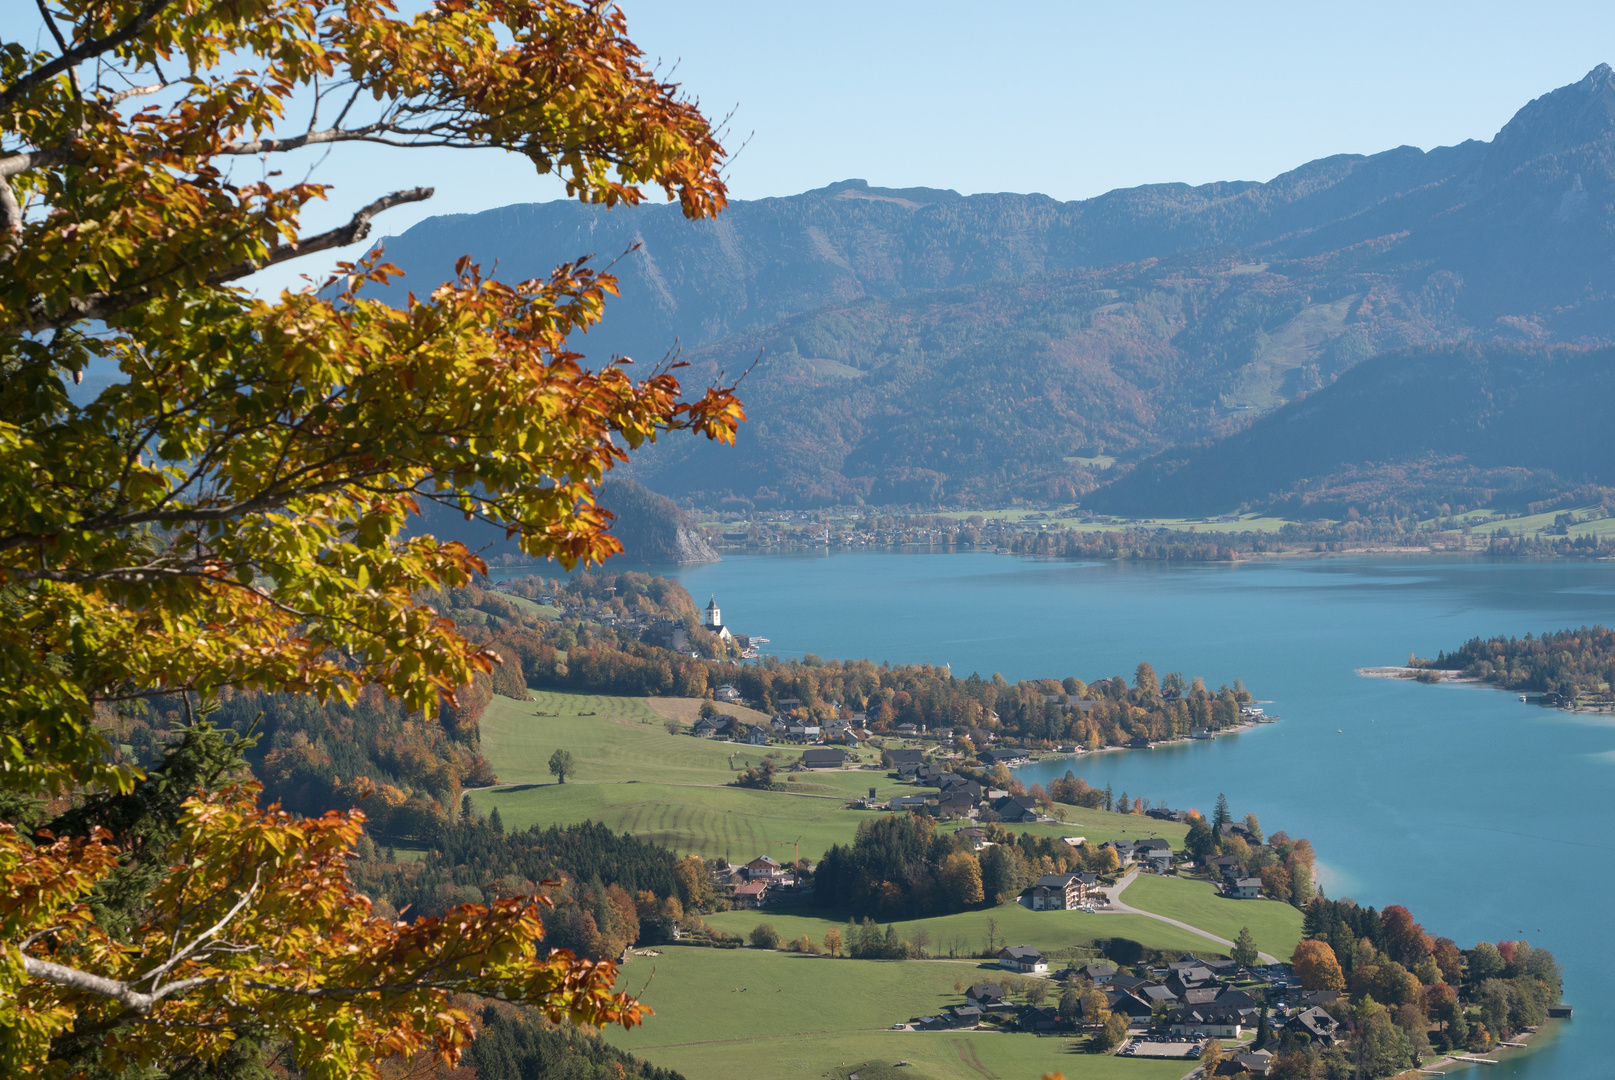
[[923, 347]]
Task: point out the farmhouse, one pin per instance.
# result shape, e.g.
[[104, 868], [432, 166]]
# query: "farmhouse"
[[982, 995], [751, 894], [1246, 888], [1015, 808], [1022, 958]]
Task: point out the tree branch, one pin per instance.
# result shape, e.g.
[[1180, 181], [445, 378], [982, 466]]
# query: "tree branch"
[[357, 228], [89, 49]]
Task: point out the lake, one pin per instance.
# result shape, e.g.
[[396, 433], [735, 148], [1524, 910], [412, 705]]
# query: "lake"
[[1487, 817]]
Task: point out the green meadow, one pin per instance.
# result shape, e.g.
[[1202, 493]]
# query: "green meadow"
[[966, 932], [1275, 926], [772, 1016], [634, 776]]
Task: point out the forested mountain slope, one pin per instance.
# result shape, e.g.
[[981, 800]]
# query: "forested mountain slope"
[[1463, 424], [918, 346]]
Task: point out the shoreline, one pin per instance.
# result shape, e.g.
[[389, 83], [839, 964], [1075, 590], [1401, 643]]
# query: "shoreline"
[[1407, 674]]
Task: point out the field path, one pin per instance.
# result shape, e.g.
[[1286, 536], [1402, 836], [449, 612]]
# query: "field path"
[[1118, 908]]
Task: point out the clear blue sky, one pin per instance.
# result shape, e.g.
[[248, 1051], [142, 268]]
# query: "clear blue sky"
[[1067, 99]]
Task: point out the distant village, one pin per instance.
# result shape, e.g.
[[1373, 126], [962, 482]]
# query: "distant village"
[[1172, 1009]]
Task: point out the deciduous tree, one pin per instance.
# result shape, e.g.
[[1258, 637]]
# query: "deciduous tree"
[[1315, 965], [232, 511], [561, 763]]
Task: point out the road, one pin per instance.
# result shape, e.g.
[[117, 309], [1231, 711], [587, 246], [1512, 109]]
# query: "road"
[[1118, 908]]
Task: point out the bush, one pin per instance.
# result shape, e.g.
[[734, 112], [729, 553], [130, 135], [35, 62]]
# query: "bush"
[[764, 936], [803, 944]]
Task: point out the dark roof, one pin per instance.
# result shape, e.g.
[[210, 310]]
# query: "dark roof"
[[1020, 952], [825, 755], [1055, 881], [1154, 843], [981, 990], [910, 756]]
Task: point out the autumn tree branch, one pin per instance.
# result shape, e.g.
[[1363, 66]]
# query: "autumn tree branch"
[[357, 228], [88, 50]]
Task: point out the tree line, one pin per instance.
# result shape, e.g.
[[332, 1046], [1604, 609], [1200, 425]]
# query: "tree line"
[[1570, 664]]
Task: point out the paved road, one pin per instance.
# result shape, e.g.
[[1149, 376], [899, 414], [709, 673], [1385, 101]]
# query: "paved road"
[[1118, 908]]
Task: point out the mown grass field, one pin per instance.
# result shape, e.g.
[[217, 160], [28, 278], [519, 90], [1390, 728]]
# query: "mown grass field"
[[1276, 926], [634, 776], [772, 1016], [966, 932]]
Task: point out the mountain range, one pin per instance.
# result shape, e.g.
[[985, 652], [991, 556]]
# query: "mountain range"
[[1138, 350]]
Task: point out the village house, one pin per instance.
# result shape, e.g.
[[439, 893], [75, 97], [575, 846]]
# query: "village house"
[[953, 782], [727, 693], [984, 994], [1314, 1025], [753, 735], [708, 727], [1249, 888], [1154, 853], [955, 805], [751, 894], [1015, 808], [977, 838], [1057, 892], [764, 868], [1022, 958], [1124, 852], [1128, 1003], [1259, 1063], [989, 758]]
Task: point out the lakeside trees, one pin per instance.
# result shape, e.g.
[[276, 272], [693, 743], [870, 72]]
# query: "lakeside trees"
[[230, 512], [1571, 665], [1402, 980]]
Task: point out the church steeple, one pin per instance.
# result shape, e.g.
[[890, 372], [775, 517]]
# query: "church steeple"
[[713, 620]]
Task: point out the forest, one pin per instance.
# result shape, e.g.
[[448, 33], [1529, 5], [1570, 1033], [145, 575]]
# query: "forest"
[[609, 890], [1569, 666]]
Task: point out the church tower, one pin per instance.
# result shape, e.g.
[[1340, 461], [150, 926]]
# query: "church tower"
[[714, 621]]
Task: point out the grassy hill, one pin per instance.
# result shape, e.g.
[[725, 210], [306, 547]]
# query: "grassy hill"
[[1276, 926], [777, 1016]]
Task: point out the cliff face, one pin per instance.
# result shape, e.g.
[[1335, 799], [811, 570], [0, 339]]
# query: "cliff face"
[[652, 529]]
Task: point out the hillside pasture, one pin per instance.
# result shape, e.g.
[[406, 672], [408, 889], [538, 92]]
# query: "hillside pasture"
[[1276, 926], [772, 1016], [965, 933]]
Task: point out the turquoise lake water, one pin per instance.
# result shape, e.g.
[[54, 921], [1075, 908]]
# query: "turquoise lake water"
[[1488, 818]]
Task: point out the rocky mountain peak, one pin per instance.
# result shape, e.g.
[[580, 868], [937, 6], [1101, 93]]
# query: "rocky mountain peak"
[[1559, 121]]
